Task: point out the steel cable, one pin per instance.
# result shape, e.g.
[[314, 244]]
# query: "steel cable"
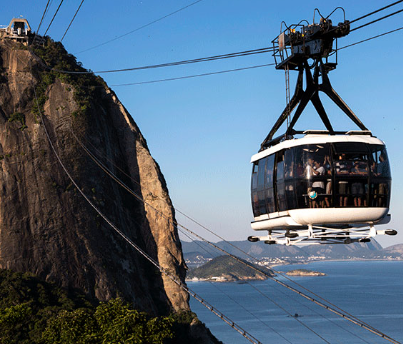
[[337, 311], [54, 16], [73, 20]]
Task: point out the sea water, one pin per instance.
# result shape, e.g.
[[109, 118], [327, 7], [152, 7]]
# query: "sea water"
[[371, 291]]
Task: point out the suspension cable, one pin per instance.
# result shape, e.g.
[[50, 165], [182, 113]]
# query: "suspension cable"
[[176, 224], [338, 311], [231, 298], [377, 20], [210, 231], [167, 64], [199, 224], [194, 76], [43, 16], [54, 16], [376, 11], [275, 303], [74, 17], [368, 39]]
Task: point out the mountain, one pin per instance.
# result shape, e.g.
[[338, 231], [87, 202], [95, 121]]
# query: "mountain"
[[198, 252], [46, 226], [395, 250]]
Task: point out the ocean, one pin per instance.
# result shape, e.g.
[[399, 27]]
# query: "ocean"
[[371, 291]]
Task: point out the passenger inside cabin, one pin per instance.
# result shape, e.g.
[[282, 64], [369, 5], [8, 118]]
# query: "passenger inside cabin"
[[357, 188], [327, 164], [318, 186], [341, 167]]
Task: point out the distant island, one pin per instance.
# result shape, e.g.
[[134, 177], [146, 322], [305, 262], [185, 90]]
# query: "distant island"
[[304, 272], [228, 269]]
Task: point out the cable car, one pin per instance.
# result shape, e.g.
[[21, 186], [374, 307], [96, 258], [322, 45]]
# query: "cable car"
[[318, 186]]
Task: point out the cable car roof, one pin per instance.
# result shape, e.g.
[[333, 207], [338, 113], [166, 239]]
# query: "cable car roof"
[[316, 137]]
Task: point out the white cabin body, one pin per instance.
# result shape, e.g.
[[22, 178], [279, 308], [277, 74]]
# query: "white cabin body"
[[321, 179]]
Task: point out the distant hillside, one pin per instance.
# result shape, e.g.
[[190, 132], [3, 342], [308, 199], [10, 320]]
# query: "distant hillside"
[[225, 268], [196, 255], [395, 249]]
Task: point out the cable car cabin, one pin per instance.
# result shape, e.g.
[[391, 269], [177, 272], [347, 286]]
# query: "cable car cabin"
[[327, 183]]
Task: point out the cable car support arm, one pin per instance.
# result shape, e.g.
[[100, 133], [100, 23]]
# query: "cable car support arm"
[[296, 49]]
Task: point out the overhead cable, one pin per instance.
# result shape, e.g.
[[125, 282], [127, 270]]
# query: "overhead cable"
[[141, 27], [167, 64], [368, 39], [44, 13], [54, 16], [245, 68], [73, 20], [202, 59], [337, 311], [177, 225], [194, 76], [376, 20], [378, 10]]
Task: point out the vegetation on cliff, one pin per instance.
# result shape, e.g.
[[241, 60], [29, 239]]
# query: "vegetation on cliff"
[[55, 59], [34, 311], [226, 268]]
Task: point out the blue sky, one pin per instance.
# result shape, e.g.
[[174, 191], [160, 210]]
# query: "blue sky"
[[203, 131]]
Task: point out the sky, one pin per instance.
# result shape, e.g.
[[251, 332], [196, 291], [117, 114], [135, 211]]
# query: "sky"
[[203, 131]]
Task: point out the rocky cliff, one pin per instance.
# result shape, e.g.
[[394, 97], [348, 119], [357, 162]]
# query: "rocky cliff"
[[46, 226]]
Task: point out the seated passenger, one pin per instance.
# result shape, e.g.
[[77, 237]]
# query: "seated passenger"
[[319, 185]]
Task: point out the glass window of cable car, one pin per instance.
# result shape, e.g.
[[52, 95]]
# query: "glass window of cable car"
[[351, 174], [263, 200], [312, 171], [280, 185], [270, 200], [258, 187], [290, 180], [380, 177], [255, 200]]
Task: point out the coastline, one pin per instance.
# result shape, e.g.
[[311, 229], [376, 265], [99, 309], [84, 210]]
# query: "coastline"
[[336, 260]]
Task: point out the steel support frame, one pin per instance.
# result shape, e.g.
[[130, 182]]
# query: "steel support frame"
[[301, 98]]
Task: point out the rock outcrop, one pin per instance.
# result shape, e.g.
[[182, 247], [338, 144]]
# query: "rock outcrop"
[[46, 226]]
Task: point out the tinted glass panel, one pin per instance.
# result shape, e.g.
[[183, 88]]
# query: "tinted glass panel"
[[271, 204], [254, 176], [261, 173], [269, 171], [380, 163], [380, 194], [280, 166], [313, 172], [255, 204], [262, 202]]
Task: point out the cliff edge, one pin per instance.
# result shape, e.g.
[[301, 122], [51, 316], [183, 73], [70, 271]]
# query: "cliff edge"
[[46, 226]]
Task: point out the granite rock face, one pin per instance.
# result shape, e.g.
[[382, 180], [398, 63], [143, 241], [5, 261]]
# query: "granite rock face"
[[46, 226]]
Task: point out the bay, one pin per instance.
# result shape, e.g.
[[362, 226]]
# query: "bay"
[[372, 291]]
